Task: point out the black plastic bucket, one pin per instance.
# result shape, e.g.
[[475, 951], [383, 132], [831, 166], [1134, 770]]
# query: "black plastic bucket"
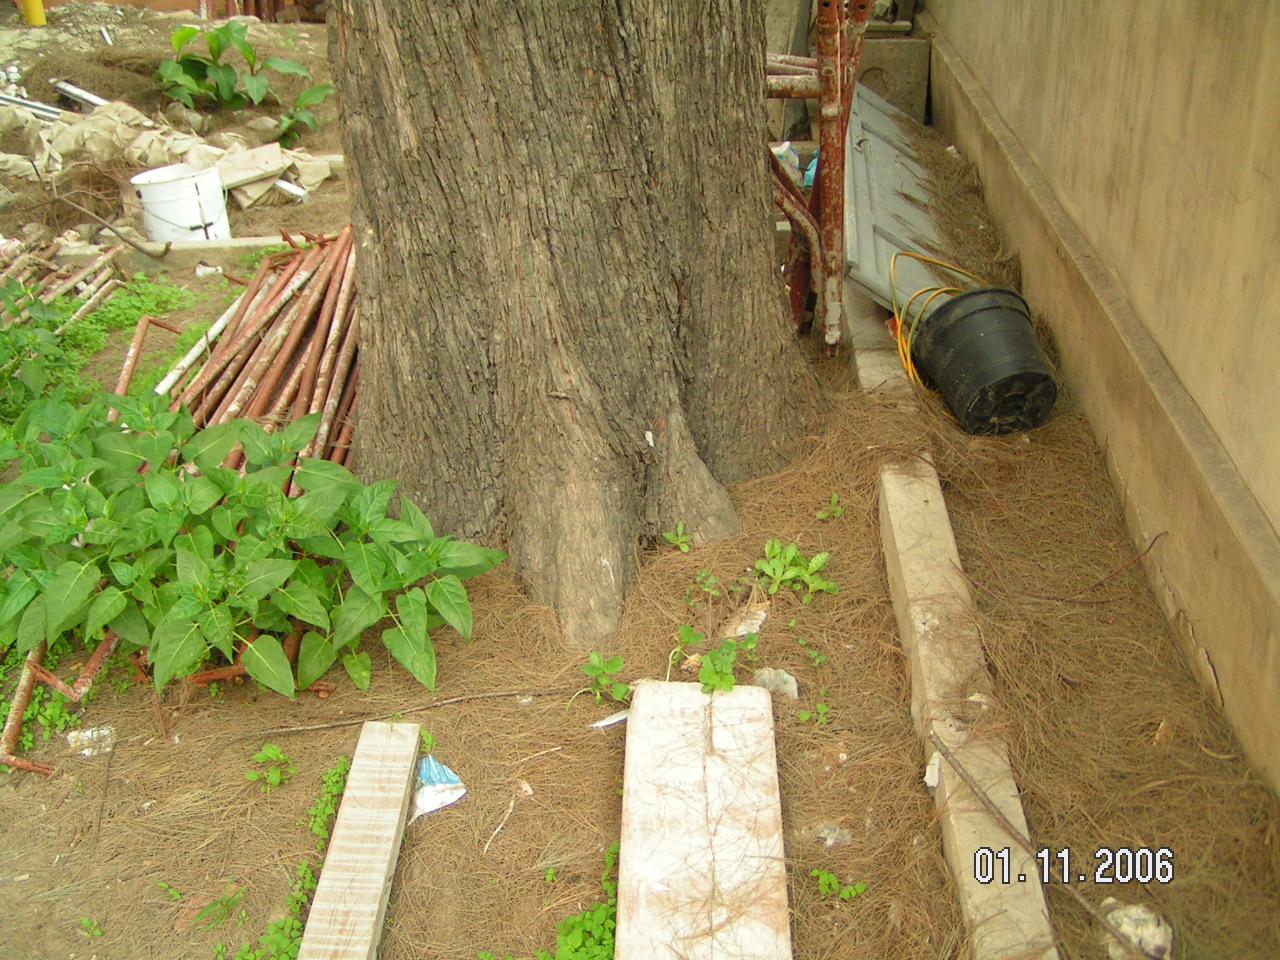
[[979, 350]]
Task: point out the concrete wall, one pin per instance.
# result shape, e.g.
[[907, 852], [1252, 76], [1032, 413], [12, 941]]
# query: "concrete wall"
[[1128, 152], [1155, 124]]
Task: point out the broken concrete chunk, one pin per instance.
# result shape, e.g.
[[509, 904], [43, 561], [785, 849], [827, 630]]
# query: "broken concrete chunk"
[[777, 682]]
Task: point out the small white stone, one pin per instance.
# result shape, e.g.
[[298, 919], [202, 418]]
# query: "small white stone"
[[777, 682], [933, 771]]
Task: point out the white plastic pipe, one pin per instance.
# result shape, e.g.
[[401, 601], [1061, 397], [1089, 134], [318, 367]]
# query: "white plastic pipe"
[[204, 343]]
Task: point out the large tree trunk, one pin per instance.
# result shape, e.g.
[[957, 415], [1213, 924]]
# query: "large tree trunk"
[[572, 332]]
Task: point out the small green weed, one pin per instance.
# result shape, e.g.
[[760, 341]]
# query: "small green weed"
[[91, 927], [279, 768], [833, 510], [587, 935], [785, 566], [428, 741], [603, 674], [550, 875], [829, 885], [222, 909], [686, 637], [300, 116], [172, 892], [816, 657], [679, 538], [716, 672], [322, 812], [215, 691], [705, 587], [821, 712]]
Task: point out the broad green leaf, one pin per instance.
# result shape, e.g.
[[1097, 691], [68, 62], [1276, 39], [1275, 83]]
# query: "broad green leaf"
[[209, 448], [131, 626], [260, 448], [467, 560], [416, 519], [241, 42], [177, 645], [265, 661], [357, 613], [31, 628], [359, 668], [218, 628], [322, 505], [301, 432], [388, 530], [180, 38], [313, 95], [299, 599], [226, 519], [411, 607], [192, 570], [71, 587], [20, 591], [161, 489], [449, 597], [289, 67], [263, 576], [371, 504], [224, 77], [106, 606], [417, 654], [305, 117], [314, 659], [315, 474], [367, 565], [256, 85]]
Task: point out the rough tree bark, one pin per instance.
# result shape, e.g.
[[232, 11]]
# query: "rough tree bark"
[[573, 335]]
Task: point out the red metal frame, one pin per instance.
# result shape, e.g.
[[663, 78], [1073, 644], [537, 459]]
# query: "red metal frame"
[[831, 78]]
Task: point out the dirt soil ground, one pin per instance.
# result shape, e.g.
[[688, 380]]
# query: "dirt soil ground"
[[1112, 740], [72, 48]]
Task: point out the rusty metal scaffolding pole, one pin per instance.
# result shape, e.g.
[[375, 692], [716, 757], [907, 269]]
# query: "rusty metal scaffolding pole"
[[840, 30]]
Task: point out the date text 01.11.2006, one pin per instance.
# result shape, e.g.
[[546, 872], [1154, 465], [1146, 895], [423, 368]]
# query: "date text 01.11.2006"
[[1107, 865]]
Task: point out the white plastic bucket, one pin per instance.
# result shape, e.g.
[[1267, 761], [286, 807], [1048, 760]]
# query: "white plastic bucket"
[[183, 202]]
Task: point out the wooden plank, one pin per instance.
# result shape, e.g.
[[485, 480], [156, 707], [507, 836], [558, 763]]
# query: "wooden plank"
[[346, 916], [702, 872]]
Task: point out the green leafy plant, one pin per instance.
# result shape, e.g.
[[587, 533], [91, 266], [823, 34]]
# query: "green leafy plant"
[[37, 360], [602, 672], [830, 885], [172, 892], [833, 510], [785, 566], [137, 527], [278, 768], [686, 637], [283, 937], [192, 77], [705, 587], [301, 116], [428, 741], [91, 927], [588, 935], [679, 538], [816, 657], [550, 875], [821, 712], [320, 815], [222, 909], [718, 666]]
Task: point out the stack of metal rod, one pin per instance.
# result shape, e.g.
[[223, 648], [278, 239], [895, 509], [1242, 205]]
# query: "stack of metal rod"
[[285, 349], [44, 281]]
